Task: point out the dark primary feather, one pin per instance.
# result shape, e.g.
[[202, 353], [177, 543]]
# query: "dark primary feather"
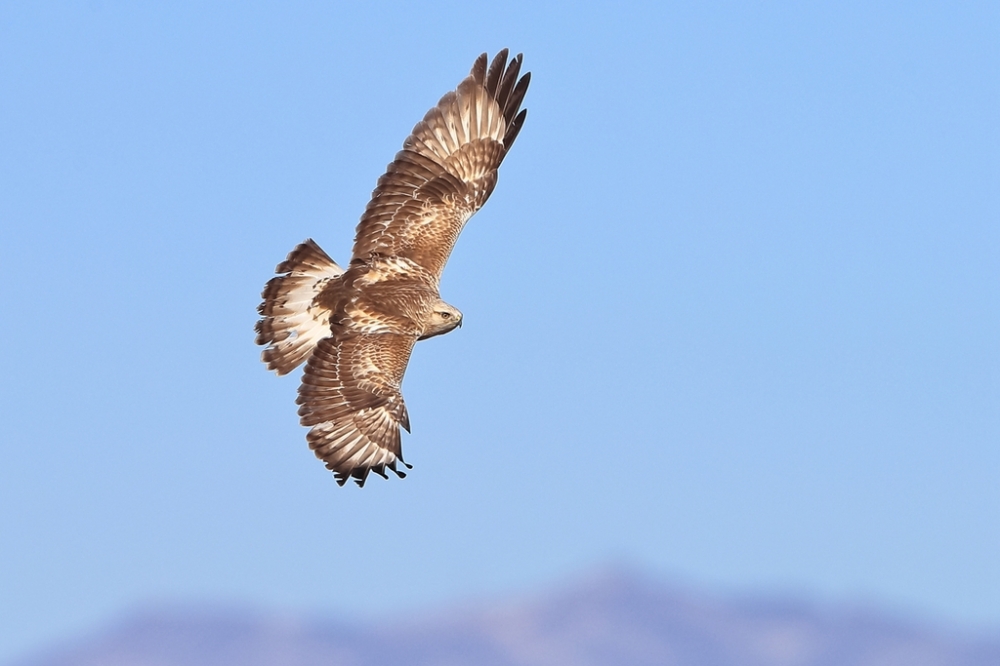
[[447, 168], [350, 395]]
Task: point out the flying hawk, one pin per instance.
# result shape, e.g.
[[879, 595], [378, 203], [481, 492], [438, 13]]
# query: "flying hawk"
[[356, 328]]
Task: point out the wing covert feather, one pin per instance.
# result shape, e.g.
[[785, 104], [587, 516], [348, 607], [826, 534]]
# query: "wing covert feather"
[[447, 168], [350, 395]]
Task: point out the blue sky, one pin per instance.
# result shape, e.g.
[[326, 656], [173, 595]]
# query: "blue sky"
[[731, 315]]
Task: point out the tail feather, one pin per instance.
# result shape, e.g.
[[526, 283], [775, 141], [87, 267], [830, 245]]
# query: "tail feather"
[[291, 324]]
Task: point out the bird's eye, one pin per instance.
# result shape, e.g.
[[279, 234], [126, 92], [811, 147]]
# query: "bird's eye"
[[446, 315]]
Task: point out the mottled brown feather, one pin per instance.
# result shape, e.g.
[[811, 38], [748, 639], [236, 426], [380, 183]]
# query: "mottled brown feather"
[[350, 395], [446, 170]]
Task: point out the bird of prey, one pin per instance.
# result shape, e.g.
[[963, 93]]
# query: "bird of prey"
[[356, 328]]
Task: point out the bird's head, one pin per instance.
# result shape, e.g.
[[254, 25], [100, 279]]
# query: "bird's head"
[[442, 319]]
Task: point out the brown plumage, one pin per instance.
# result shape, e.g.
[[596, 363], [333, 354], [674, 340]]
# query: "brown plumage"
[[357, 327]]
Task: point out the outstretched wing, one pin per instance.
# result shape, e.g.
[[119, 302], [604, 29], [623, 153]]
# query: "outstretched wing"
[[447, 168], [350, 396]]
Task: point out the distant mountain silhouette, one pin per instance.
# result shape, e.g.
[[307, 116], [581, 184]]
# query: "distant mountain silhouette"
[[615, 618]]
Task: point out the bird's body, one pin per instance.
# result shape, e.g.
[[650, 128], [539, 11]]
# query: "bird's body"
[[356, 328]]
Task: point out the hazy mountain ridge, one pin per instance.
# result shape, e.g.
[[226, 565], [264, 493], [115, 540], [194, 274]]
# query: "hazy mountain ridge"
[[615, 618]]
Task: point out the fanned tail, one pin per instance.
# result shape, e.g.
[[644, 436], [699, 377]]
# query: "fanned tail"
[[291, 323]]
